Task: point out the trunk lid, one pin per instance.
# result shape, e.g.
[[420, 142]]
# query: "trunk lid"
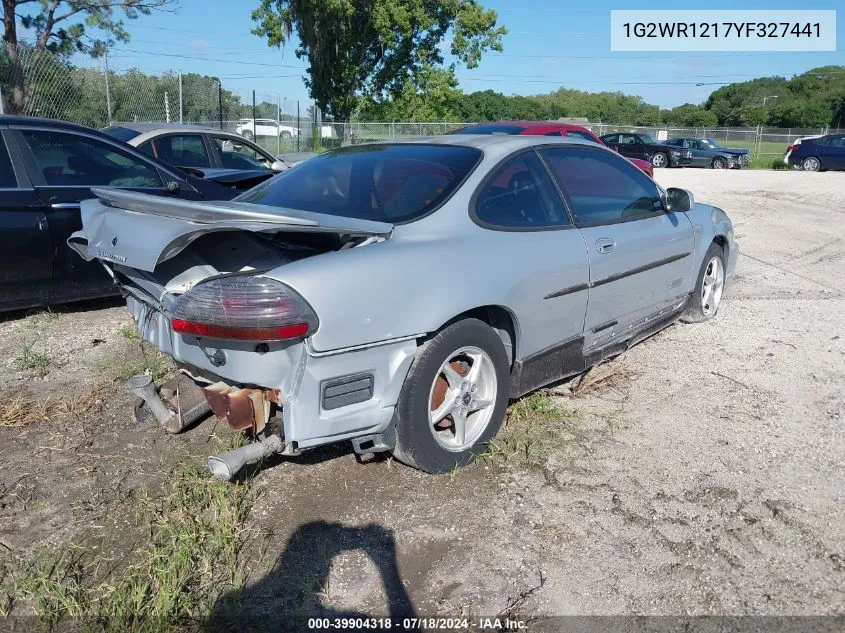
[[137, 230]]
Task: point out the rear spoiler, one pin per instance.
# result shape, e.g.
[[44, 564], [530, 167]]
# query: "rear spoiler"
[[140, 230]]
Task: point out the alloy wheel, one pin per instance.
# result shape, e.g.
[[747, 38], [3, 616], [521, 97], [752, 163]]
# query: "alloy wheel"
[[462, 398], [712, 286]]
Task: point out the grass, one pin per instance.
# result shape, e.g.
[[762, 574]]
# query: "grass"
[[529, 436], [22, 409], [30, 358], [142, 358], [129, 331], [198, 529]]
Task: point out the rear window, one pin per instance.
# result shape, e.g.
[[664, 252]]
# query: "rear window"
[[120, 133], [495, 128], [386, 183]]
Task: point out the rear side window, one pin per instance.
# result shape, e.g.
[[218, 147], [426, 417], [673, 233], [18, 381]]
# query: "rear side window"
[[610, 138], [603, 187], [7, 172], [493, 128], [388, 183], [520, 195], [580, 134], [74, 160], [182, 150]]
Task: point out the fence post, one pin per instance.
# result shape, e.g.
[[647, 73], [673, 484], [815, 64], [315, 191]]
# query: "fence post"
[[166, 108], [254, 135], [108, 91], [180, 97], [220, 101], [278, 124], [298, 129]]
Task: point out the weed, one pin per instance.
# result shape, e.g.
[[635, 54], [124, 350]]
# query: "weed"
[[42, 319], [779, 163], [529, 437], [129, 331], [143, 360], [198, 530], [30, 358]]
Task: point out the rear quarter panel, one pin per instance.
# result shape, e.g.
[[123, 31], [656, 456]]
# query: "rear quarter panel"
[[410, 286]]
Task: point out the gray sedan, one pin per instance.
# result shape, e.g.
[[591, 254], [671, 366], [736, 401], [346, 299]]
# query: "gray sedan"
[[399, 294]]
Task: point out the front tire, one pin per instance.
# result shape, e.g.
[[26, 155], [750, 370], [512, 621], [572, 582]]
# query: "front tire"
[[454, 398], [285, 134], [248, 135], [811, 163], [719, 163], [707, 297], [660, 160]]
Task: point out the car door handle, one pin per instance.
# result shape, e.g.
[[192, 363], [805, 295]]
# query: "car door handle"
[[605, 245], [64, 205]]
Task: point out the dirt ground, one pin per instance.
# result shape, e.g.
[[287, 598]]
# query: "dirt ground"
[[705, 476]]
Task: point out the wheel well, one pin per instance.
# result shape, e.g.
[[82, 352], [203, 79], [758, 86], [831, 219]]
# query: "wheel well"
[[721, 241], [498, 318]]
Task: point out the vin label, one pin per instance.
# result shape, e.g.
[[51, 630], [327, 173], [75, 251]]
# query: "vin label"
[[723, 30]]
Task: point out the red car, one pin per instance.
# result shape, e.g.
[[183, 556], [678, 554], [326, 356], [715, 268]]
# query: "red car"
[[545, 128]]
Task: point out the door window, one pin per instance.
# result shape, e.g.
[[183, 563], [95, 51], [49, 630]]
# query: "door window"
[[603, 188], [611, 138], [182, 150], [236, 154], [520, 195], [74, 160], [835, 141], [7, 172]]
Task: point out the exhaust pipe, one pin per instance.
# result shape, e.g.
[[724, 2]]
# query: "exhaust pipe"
[[226, 465], [143, 387]]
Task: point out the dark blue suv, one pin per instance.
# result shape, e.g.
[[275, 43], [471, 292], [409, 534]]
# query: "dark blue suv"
[[818, 154]]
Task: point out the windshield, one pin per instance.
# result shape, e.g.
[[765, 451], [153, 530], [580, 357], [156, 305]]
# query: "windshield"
[[648, 138], [494, 128], [711, 143], [387, 183]]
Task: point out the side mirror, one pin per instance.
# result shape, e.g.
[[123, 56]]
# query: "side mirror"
[[679, 200], [278, 166]]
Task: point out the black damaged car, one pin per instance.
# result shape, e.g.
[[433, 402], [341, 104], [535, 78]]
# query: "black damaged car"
[[646, 147]]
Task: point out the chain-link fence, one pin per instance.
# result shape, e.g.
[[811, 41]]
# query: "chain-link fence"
[[42, 84]]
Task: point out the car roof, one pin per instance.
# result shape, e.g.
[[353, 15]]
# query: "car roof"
[[16, 119], [480, 141], [169, 127], [160, 131]]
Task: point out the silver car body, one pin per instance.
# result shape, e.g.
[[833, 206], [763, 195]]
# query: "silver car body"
[[559, 299]]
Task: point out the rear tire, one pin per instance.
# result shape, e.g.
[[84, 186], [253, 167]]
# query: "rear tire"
[[285, 134], [707, 296], [454, 398], [719, 163], [248, 135], [811, 163]]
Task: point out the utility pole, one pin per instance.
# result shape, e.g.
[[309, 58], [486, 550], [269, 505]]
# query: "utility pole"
[[220, 101], [180, 96], [108, 91]]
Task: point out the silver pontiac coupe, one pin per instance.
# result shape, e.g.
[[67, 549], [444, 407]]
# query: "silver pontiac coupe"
[[399, 294]]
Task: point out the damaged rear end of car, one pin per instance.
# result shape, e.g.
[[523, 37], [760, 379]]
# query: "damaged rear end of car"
[[201, 281]]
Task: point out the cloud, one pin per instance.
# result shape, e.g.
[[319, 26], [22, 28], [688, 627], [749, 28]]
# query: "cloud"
[[199, 45]]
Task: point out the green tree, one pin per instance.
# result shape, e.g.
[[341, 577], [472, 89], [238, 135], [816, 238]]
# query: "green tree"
[[60, 27], [433, 95], [373, 49]]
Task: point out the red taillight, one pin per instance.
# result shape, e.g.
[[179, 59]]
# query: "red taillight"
[[243, 308], [297, 330]]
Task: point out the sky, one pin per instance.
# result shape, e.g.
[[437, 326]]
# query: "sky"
[[550, 44]]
